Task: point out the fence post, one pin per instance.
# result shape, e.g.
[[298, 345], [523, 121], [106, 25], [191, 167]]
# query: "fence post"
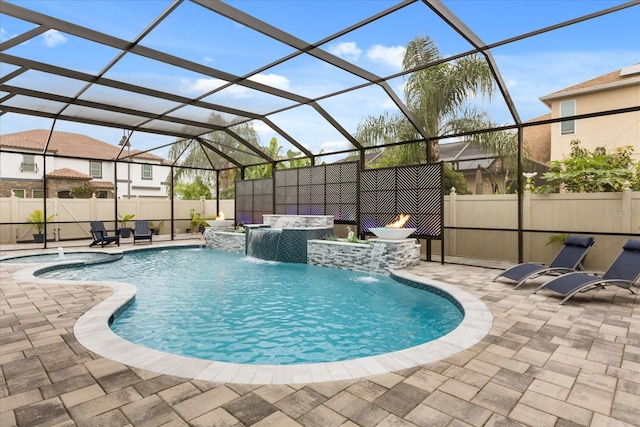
[[14, 216], [627, 212], [453, 246], [138, 210], [93, 208], [56, 213], [526, 223]]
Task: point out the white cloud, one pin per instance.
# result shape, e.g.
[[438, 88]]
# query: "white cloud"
[[201, 86], [329, 146], [272, 80], [3, 35], [262, 129], [389, 55], [208, 59], [347, 50], [53, 38]]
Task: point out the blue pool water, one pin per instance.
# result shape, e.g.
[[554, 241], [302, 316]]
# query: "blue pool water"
[[227, 307]]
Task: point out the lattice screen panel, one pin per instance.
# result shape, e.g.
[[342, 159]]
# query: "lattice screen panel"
[[318, 190], [413, 190], [253, 199]]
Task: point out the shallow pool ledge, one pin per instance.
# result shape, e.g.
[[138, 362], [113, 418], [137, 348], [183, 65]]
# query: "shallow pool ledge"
[[93, 332]]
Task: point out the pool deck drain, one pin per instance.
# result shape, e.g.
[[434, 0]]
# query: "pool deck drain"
[[541, 364]]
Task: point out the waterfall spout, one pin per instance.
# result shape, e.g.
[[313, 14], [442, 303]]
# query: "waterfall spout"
[[263, 243], [376, 253]]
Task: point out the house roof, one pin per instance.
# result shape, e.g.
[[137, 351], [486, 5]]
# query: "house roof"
[[69, 145], [466, 155], [622, 77], [67, 173], [104, 185]]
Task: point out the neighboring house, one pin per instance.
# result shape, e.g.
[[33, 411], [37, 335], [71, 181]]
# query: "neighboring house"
[[485, 172], [616, 90], [72, 160]]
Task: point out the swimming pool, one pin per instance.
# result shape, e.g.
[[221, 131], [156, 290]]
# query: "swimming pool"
[[226, 307]]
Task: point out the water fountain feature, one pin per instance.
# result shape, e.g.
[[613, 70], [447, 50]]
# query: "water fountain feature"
[[376, 253], [60, 252], [264, 243], [303, 239], [284, 237], [392, 249]]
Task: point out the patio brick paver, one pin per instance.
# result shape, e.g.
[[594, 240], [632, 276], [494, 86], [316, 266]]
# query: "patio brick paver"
[[542, 364]]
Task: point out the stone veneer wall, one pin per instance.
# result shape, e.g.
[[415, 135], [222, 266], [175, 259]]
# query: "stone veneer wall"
[[396, 254], [224, 240], [298, 221]]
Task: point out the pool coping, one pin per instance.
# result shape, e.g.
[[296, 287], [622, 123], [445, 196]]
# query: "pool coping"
[[93, 332]]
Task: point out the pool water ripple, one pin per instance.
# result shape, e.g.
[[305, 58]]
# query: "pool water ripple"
[[221, 306]]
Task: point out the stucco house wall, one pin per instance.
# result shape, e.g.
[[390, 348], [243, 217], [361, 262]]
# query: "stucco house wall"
[[68, 164], [617, 90]]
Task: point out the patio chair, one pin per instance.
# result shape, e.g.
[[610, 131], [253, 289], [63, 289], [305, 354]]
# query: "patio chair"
[[570, 258], [142, 231], [624, 271], [101, 235]]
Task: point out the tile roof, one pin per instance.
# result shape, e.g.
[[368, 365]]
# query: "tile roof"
[[68, 174], [101, 184], [67, 144]]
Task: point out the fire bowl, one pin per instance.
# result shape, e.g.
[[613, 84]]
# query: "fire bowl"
[[220, 223], [392, 233]]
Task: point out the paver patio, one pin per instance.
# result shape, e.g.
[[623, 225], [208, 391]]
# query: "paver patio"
[[542, 364]]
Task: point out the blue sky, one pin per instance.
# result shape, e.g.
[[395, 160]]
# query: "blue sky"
[[531, 68]]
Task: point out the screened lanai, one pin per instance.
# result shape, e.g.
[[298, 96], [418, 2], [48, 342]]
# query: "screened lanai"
[[244, 90]]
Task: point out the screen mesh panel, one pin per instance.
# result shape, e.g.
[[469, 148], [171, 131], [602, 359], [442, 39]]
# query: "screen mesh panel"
[[318, 190], [413, 190], [253, 199]]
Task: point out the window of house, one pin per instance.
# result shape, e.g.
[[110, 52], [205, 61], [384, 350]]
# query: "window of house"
[[19, 192], [146, 172], [96, 169], [567, 108], [37, 193], [28, 163]]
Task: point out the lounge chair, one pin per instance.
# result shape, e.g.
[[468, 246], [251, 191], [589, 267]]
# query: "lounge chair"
[[570, 258], [624, 271], [142, 231], [101, 235]]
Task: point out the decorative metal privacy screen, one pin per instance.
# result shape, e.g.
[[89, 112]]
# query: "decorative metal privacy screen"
[[253, 199], [318, 190], [413, 190]]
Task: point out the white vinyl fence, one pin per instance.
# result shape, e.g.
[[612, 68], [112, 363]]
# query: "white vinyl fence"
[[478, 219], [72, 216]]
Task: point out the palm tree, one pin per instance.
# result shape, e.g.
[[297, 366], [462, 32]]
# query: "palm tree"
[[437, 97], [265, 170], [197, 160]]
